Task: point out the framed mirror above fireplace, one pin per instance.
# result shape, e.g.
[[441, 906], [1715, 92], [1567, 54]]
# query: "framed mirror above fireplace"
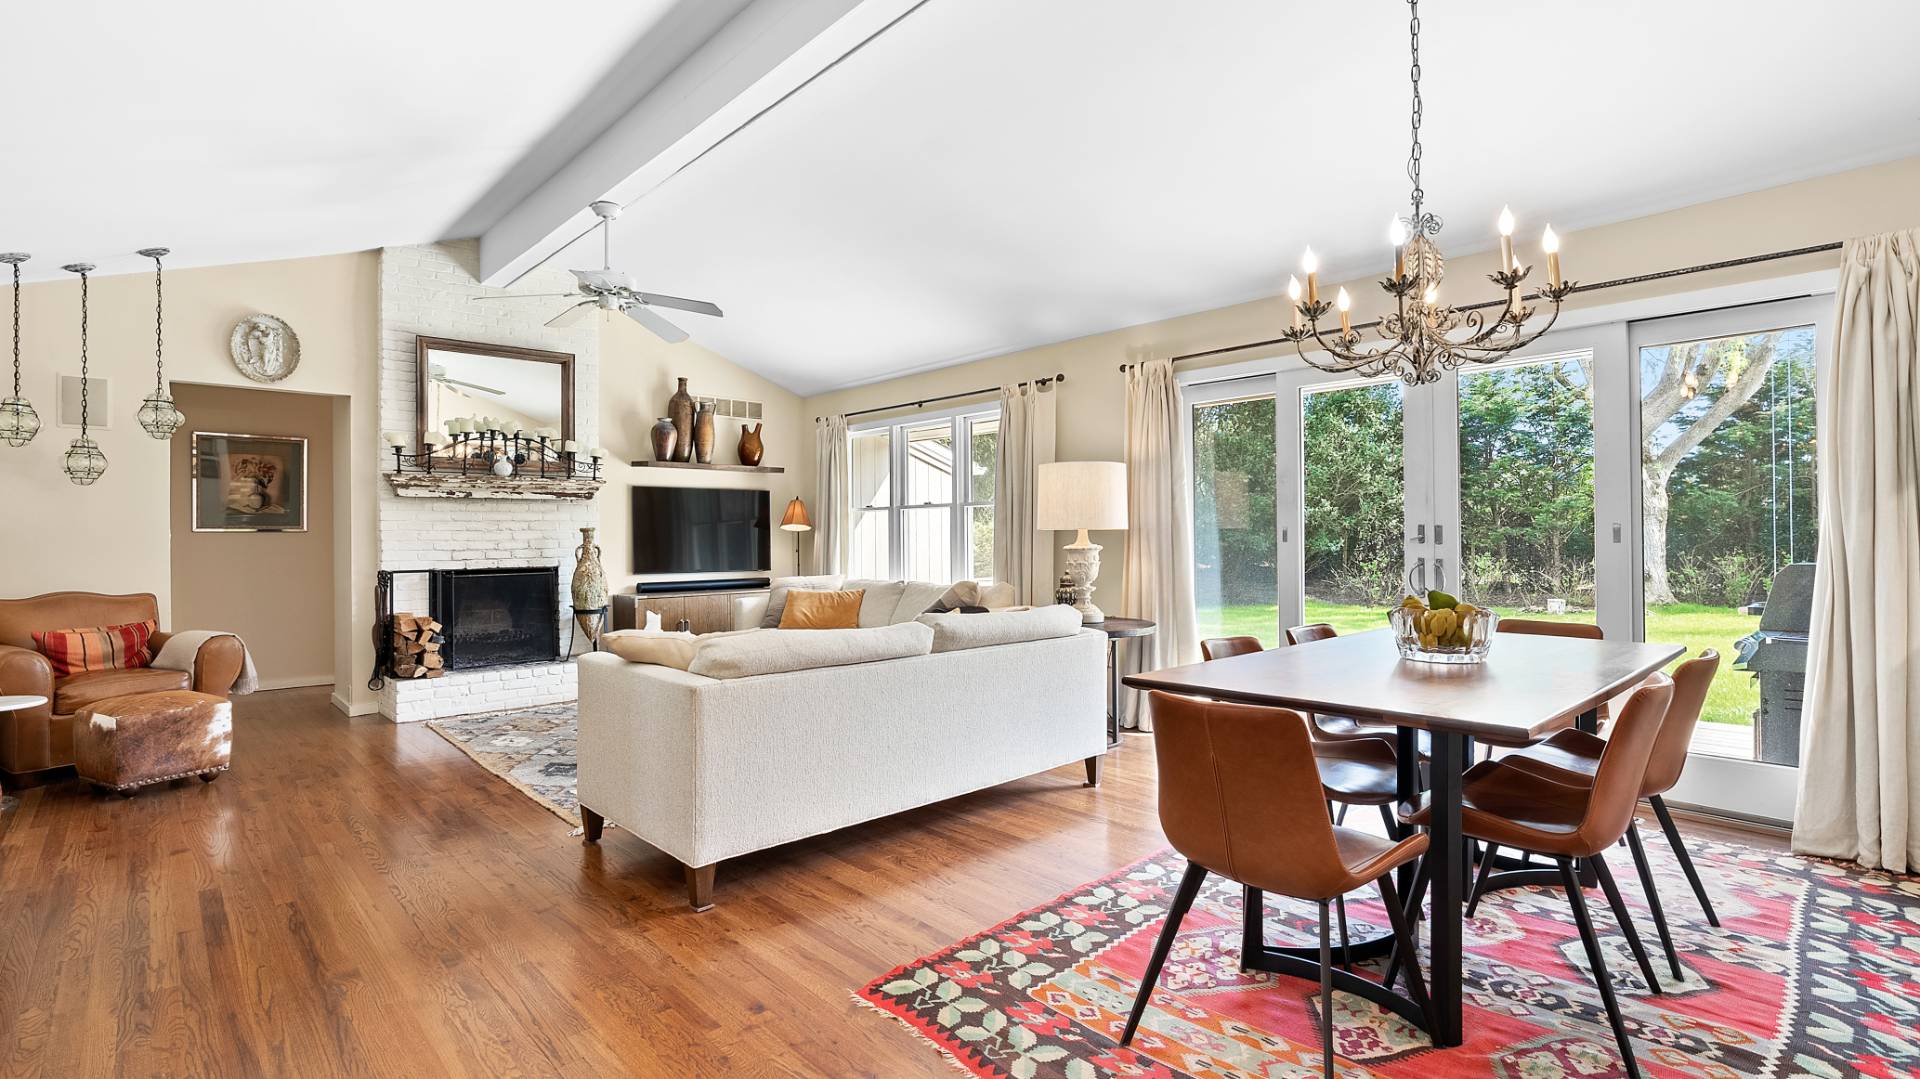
[[528, 387]]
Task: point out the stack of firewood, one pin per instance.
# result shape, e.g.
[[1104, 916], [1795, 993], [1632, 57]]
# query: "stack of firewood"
[[416, 647]]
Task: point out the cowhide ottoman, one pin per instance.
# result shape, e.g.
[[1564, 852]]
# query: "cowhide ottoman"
[[125, 743]]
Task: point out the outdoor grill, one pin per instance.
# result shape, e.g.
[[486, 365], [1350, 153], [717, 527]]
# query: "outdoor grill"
[[1776, 653]]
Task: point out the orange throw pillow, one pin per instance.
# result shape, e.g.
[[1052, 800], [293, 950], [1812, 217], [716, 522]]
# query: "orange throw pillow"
[[822, 610], [100, 648]]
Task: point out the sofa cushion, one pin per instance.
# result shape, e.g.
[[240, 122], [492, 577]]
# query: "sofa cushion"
[[916, 598], [880, 601], [822, 610], [77, 691], [744, 655], [954, 631], [664, 648], [777, 593]]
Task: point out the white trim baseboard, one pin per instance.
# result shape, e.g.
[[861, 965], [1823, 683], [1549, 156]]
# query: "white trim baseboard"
[[347, 708]]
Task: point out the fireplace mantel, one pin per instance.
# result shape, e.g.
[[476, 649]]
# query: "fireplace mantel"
[[487, 485]]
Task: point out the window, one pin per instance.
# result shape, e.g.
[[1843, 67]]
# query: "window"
[[1231, 446], [923, 498]]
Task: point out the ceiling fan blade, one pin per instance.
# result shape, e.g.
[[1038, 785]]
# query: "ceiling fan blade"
[[661, 328], [698, 307], [520, 296], [474, 386], [572, 316]]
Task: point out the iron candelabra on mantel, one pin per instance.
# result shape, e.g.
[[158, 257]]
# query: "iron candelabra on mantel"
[[470, 453]]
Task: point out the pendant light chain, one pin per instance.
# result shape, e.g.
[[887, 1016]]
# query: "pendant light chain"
[[159, 306], [158, 416], [16, 329], [83, 354]]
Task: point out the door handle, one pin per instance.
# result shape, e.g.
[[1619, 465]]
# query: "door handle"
[[1420, 533], [1440, 574], [1419, 567]]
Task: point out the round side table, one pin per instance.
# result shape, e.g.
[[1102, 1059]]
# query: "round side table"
[[1117, 630], [8, 704]]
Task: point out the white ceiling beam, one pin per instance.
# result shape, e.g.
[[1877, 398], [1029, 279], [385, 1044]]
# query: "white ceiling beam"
[[766, 52]]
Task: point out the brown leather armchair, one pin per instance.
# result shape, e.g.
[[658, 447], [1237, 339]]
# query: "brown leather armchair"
[[36, 739]]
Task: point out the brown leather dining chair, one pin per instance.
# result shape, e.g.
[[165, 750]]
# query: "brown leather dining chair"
[[1507, 806], [1583, 630], [1238, 797], [1335, 728], [1572, 757]]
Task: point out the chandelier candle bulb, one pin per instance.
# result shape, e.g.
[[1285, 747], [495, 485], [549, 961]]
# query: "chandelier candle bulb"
[[1310, 265], [1345, 303], [1397, 236], [1550, 243], [1293, 296], [1506, 236]]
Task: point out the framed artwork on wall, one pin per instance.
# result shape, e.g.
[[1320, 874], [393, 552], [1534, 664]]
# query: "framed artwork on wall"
[[249, 483]]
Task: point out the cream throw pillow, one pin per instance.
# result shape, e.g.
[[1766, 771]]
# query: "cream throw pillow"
[[744, 655], [667, 649]]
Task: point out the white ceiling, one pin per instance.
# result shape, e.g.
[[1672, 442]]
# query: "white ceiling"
[[235, 130], [989, 175], [983, 176]]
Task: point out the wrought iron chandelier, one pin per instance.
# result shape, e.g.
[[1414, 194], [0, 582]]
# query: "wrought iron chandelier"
[[157, 414], [83, 463], [18, 421], [1423, 338]]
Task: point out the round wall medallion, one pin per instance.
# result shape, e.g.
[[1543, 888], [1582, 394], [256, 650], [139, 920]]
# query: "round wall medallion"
[[264, 348]]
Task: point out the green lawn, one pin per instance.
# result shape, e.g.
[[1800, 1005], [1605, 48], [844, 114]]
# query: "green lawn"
[[1731, 701]]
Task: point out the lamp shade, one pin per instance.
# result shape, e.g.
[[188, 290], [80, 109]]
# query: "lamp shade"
[[1082, 494], [796, 519]]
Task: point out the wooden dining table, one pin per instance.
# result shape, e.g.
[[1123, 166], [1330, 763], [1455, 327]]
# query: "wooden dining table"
[[1528, 688]]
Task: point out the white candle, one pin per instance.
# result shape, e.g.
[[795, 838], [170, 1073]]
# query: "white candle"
[[1310, 265], [597, 452], [1506, 236], [1345, 303], [1397, 236], [1550, 243], [1293, 298]]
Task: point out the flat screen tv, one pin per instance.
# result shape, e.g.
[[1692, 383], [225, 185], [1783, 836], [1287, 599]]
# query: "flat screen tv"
[[700, 530]]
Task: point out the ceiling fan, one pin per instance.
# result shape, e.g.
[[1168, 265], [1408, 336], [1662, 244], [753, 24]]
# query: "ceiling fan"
[[438, 373], [609, 290]]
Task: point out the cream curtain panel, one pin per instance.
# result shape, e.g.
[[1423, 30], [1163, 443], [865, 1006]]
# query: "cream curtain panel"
[[1022, 554], [1860, 746], [1158, 570], [832, 497]]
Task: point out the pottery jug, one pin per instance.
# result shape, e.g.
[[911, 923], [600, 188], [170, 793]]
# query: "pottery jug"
[[665, 439], [703, 435], [680, 410], [589, 585], [751, 448]]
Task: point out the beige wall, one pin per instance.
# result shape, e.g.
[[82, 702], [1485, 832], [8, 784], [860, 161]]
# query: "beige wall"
[[637, 375], [114, 535], [275, 589], [1091, 407]]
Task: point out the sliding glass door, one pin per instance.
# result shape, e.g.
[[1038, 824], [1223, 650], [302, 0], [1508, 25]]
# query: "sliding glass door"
[[1655, 478]]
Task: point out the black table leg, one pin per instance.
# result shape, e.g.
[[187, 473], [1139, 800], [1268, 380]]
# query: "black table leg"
[[1113, 692], [1446, 888], [1407, 767]]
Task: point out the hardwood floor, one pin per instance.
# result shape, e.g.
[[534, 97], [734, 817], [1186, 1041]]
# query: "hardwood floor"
[[356, 898]]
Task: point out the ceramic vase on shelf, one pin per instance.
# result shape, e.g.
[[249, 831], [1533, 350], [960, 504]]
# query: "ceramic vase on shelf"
[[666, 439], [589, 586], [752, 450], [680, 411], [703, 434]]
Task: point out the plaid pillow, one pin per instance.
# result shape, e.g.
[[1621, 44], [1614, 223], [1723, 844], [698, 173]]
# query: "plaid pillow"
[[100, 648]]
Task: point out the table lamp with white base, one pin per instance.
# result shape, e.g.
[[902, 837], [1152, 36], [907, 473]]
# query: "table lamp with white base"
[[1082, 496]]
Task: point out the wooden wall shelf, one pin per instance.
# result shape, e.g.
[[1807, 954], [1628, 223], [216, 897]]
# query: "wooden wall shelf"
[[711, 467]]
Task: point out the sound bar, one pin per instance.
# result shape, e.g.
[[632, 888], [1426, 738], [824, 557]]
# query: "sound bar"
[[728, 584]]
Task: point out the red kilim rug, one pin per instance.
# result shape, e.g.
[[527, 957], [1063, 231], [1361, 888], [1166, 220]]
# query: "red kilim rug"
[[1814, 972]]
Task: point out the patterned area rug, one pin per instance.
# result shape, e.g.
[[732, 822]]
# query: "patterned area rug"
[[1813, 973], [531, 748]]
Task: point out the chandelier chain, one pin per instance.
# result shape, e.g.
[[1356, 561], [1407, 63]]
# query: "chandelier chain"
[[1413, 72]]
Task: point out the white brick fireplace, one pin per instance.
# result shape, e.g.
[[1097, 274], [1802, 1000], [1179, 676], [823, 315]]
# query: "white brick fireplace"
[[426, 291]]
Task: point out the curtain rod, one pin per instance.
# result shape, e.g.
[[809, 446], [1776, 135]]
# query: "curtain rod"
[[1617, 282], [925, 401]]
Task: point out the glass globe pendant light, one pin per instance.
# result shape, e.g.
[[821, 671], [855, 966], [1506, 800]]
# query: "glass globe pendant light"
[[83, 463], [157, 414], [18, 421]]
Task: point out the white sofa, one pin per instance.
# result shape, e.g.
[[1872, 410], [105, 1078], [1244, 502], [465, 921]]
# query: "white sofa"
[[708, 768]]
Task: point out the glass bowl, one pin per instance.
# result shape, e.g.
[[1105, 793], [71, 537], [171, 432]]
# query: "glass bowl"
[[1465, 640]]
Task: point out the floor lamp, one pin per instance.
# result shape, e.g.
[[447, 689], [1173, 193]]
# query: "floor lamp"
[[796, 521]]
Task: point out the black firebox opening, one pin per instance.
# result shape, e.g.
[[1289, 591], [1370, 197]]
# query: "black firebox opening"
[[493, 617]]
